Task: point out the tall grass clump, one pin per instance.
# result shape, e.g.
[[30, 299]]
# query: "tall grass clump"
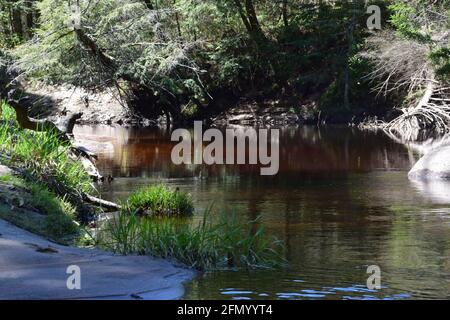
[[226, 243], [160, 200], [42, 156]]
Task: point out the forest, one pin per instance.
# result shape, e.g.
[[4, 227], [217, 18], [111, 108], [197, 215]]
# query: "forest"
[[190, 59], [352, 96]]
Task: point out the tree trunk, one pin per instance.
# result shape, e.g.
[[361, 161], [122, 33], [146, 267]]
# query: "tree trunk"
[[285, 13], [347, 79], [64, 127], [250, 20], [252, 17], [17, 22], [4, 26], [106, 60], [148, 4]]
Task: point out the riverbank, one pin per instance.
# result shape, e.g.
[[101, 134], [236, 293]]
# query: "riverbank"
[[34, 268], [101, 107], [41, 187], [109, 108]]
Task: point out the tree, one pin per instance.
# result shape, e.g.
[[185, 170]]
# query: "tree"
[[118, 42], [410, 62], [16, 21]]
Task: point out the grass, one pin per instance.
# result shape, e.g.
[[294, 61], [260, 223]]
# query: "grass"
[[160, 200], [227, 243], [42, 155], [32, 207], [46, 171], [153, 219]]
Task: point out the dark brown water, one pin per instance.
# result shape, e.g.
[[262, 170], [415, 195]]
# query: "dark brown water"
[[341, 202]]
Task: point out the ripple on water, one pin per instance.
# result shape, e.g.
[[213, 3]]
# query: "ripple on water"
[[294, 295]]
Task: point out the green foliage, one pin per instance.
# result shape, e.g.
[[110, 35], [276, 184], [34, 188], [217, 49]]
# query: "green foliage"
[[15, 22], [190, 111], [159, 200], [38, 210], [440, 58], [180, 55], [206, 245], [41, 154], [140, 41], [403, 19]]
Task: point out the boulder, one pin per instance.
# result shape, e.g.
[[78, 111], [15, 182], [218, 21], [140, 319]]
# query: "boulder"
[[433, 165], [5, 171]]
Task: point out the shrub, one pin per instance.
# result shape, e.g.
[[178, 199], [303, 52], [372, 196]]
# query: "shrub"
[[159, 200], [404, 19], [440, 57]]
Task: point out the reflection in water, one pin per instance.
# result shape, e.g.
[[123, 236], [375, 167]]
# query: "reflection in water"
[[341, 202], [435, 190], [146, 152]]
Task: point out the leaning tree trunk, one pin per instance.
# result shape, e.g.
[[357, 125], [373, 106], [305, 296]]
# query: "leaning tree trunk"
[[144, 95], [63, 127]]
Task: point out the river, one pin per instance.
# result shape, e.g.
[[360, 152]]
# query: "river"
[[340, 202]]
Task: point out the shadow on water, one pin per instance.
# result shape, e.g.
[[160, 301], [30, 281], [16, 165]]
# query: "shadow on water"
[[341, 202]]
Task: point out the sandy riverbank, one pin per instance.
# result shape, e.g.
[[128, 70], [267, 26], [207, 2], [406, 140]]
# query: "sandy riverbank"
[[34, 268]]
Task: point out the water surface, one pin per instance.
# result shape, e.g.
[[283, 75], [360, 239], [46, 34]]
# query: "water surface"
[[341, 202]]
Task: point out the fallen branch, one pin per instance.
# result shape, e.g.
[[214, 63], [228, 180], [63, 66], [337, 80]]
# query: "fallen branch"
[[101, 203]]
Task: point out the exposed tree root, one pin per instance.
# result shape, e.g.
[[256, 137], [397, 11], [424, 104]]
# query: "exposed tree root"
[[431, 113], [64, 127]]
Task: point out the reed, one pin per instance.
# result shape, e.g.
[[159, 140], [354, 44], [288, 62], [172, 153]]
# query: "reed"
[[227, 242]]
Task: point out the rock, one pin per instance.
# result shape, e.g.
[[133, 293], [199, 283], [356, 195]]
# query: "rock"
[[4, 171], [32, 268], [266, 113], [437, 191], [433, 165]]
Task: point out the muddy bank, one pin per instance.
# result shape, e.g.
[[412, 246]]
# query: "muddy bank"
[[102, 107], [107, 107]]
